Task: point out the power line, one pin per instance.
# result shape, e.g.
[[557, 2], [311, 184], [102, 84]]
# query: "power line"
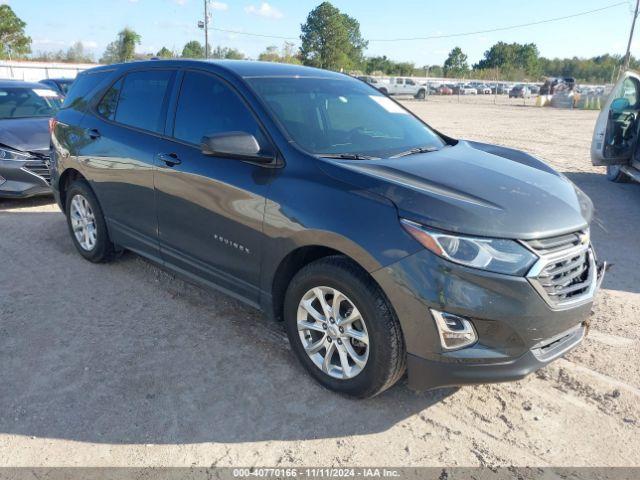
[[500, 29], [450, 35]]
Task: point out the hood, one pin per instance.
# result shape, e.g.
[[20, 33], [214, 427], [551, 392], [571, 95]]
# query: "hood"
[[25, 134], [474, 188]]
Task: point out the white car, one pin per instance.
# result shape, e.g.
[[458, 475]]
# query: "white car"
[[614, 140], [468, 90], [483, 90], [403, 86]]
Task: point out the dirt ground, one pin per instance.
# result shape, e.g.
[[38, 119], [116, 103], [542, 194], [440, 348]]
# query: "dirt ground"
[[124, 365]]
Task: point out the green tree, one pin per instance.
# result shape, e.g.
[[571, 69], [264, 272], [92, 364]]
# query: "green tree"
[[193, 49], [285, 55], [14, 43], [227, 53], [164, 52], [512, 59], [77, 54], [456, 64], [123, 48], [331, 39]]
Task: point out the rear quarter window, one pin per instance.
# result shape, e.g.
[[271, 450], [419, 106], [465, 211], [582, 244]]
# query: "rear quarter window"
[[85, 83]]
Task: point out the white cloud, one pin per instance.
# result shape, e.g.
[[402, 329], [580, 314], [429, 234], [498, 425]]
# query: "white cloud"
[[180, 2], [264, 10], [89, 44], [219, 6]]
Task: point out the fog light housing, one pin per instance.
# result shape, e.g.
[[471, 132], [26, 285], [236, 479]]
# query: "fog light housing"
[[455, 332]]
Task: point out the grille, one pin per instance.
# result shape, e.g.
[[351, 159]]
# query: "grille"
[[39, 168], [565, 272]]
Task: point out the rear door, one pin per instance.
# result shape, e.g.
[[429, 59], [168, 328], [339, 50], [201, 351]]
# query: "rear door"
[[120, 142], [210, 209], [616, 131]]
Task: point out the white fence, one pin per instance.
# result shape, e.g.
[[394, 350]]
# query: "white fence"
[[36, 71]]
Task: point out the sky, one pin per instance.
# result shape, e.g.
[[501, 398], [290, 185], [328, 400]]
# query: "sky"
[[57, 24]]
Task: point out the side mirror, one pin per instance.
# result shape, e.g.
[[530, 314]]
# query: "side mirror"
[[620, 104], [241, 145]]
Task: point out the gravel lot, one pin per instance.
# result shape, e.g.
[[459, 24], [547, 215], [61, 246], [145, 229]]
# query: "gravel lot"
[[125, 365]]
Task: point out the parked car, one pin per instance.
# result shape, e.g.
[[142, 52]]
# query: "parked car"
[[370, 80], [615, 138], [461, 89], [381, 244], [483, 89], [500, 89], [555, 84], [60, 84], [520, 91], [534, 89], [445, 90], [25, 111], [403, 86]]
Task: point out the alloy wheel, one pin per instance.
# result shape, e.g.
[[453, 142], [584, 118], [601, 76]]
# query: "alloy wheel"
[[83, 222], [333, 332]]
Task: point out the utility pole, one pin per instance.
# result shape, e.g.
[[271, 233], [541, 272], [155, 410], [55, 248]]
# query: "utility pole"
[[627, 57], [205, 26]]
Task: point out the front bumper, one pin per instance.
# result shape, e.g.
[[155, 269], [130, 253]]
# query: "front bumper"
[[514, 324], [450, 370], [22, 179]]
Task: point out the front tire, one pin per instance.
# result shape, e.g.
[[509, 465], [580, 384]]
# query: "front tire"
[[342, 328], [421, 95], [615, 174], [86, 224]]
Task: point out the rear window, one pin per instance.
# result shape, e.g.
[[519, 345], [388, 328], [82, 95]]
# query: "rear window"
[[82, 86]]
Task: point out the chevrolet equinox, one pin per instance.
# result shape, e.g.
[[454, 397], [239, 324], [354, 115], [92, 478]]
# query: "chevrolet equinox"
[[384, 245]]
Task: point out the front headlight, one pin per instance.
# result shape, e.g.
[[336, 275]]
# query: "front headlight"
[[492, 254], [8, 154]]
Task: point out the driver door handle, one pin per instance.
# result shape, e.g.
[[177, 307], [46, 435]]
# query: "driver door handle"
[[94, 133], [169, 159]]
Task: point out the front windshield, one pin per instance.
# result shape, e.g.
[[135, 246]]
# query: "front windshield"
[[335, 116], [21, 102]]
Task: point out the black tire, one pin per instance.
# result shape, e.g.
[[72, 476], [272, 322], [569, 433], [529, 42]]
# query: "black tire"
[[103, 250], [614, 174], [421, 95], [387, 355]]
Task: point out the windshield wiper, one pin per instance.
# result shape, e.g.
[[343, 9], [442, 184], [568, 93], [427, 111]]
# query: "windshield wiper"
[[348, 156], [413, 151]]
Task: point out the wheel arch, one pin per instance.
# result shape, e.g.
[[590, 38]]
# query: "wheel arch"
[[295, 260], [66, 179]]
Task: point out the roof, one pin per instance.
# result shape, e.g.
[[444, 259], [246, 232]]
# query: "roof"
[[5, 83], [242, 68]]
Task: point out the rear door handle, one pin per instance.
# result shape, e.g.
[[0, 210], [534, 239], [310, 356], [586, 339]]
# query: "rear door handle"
[[169, 159], [94, 133]]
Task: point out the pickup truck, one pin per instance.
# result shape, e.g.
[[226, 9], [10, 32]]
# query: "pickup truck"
[[403, 86]]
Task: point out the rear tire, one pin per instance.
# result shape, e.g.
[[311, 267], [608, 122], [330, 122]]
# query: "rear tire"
[[421, 95], [380, 358], [86, 224], [615, 174]]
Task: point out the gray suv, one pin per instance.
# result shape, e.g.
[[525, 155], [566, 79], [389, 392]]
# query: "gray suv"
[[384, 245]]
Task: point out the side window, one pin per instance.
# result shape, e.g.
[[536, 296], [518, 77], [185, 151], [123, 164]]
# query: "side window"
[[142, 99], [107, 106], [410, 82], [82, 86], [207, 106], [629, 90]]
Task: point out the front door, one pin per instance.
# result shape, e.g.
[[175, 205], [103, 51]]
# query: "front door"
[[211, 209], [616, 133]]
